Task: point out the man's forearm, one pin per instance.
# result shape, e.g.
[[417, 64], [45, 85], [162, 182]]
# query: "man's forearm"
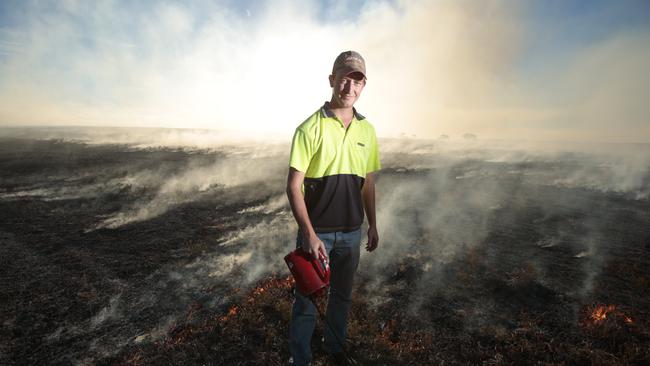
[[310, 241], [368, 196], [299, 209], [297, 203]]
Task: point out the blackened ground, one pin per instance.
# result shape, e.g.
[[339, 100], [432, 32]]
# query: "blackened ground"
[[524, 292], [70, 294]]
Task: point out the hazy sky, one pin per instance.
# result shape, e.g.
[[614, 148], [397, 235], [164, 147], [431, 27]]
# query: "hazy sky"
[[533, 70]]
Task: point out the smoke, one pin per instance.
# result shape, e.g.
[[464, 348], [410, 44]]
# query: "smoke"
[[528, 216], [624, 175], [613, 103], [443, 67], [248, 235], [498, 69], [111, 311], [199, 171], [231, 170], [142, 138]]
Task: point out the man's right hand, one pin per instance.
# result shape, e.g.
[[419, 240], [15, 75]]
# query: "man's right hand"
[[312, 245]]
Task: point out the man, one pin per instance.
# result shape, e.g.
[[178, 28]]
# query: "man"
[[334, 156]]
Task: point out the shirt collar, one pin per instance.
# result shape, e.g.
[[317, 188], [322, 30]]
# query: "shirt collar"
[[327, 112]]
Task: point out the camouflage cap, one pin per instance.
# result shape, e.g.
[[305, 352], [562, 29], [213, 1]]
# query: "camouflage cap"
[[348, 62]]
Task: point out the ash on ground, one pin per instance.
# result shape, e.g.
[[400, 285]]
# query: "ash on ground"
[[115, 253]]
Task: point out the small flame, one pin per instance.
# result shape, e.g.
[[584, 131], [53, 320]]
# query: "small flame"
[[600, 313], [263, 288], [232, 311]]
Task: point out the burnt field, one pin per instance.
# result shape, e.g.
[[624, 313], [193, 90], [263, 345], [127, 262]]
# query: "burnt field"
[[124, 253]]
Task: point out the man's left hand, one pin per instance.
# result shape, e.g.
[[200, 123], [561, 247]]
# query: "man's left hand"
[[373, 239]]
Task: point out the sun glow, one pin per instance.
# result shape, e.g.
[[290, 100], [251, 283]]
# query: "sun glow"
[[434, 68]]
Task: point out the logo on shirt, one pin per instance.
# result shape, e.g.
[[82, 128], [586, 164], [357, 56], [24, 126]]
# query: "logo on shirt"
[[360, 144]]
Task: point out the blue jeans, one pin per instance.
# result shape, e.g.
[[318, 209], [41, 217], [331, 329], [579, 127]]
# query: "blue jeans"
[[343, 250]]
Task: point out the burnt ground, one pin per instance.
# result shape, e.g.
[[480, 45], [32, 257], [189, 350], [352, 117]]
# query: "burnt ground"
[[556, 275]]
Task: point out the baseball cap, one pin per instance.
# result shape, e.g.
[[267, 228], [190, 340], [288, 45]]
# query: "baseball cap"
[[348, 62]]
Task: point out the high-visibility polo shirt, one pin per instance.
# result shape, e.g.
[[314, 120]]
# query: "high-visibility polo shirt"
[[335, 161]]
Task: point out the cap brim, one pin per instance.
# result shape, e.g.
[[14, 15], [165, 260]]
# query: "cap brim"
[[347, 70]]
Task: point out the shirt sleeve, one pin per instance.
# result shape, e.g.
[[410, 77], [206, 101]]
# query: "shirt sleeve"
[[373, 158], [301, 151]]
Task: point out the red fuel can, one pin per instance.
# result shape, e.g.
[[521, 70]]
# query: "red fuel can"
[[312, 276]]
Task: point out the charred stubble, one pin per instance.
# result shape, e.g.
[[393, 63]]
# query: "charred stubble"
[[479, 262]]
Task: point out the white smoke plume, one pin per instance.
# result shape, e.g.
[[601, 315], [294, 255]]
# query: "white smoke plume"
[[452, 68]]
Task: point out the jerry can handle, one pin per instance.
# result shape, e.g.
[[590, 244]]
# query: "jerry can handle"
[[321, 265]]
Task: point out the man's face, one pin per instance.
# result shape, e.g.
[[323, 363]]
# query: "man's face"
[[346, 89]]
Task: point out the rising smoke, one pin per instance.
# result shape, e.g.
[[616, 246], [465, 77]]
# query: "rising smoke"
[[452, 67], [438, 202]]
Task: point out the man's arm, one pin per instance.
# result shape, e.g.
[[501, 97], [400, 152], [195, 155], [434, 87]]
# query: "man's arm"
[[310, 242], [368, 195]]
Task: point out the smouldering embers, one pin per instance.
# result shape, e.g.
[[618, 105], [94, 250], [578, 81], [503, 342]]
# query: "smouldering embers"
[[597, 314], [271, 284]]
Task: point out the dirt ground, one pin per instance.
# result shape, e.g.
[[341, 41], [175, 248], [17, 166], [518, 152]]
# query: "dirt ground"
[[111, 254]]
